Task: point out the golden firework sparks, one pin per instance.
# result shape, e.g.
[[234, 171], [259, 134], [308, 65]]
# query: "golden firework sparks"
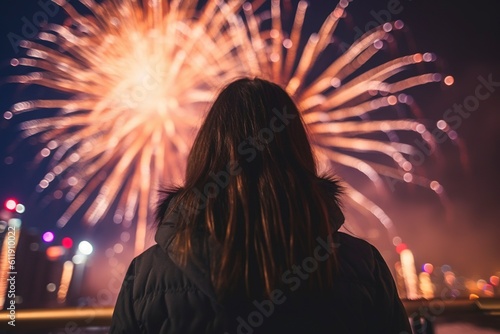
[[140, 75]]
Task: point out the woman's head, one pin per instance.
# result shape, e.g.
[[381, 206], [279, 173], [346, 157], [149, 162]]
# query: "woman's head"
[[255, 124], [252, 188]]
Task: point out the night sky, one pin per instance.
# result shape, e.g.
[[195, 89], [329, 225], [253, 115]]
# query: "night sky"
[[462, 231]]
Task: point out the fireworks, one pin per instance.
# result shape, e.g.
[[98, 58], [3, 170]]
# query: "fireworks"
[[139, 76]]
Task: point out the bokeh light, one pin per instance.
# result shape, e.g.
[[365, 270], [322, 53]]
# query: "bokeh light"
[[396, 241], [449, 80], [401, 247], [51, 287], [428, 268], [488, 290], [449, 278], [48, 236], [67, 242], [10, 204], [85, 248], [481, 283], [78, 259], [20, 208], [118, 248], [55, 252]]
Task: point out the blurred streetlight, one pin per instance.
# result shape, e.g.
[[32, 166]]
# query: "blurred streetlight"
[[85, 248]]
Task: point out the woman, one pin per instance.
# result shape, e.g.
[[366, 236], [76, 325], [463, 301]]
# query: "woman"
[[249, 243]]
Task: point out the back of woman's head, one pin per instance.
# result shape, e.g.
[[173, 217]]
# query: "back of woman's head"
[[252, 188], [255, 123]]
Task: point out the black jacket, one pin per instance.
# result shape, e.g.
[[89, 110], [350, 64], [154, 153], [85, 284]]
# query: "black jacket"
[[159, 296]]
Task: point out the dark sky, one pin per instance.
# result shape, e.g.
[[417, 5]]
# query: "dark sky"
[[462, 232]]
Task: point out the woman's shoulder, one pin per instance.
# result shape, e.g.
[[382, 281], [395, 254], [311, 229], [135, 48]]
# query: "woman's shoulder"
[[356, 256], [353, 243], [149, 261]]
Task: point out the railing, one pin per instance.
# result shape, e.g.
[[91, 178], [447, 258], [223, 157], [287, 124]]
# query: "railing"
[[424, 314]]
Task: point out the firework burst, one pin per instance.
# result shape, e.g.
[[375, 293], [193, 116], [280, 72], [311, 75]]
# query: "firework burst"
[[141, 74]]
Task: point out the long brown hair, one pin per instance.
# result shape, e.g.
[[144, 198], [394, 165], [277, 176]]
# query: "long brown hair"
[[252, 188]]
